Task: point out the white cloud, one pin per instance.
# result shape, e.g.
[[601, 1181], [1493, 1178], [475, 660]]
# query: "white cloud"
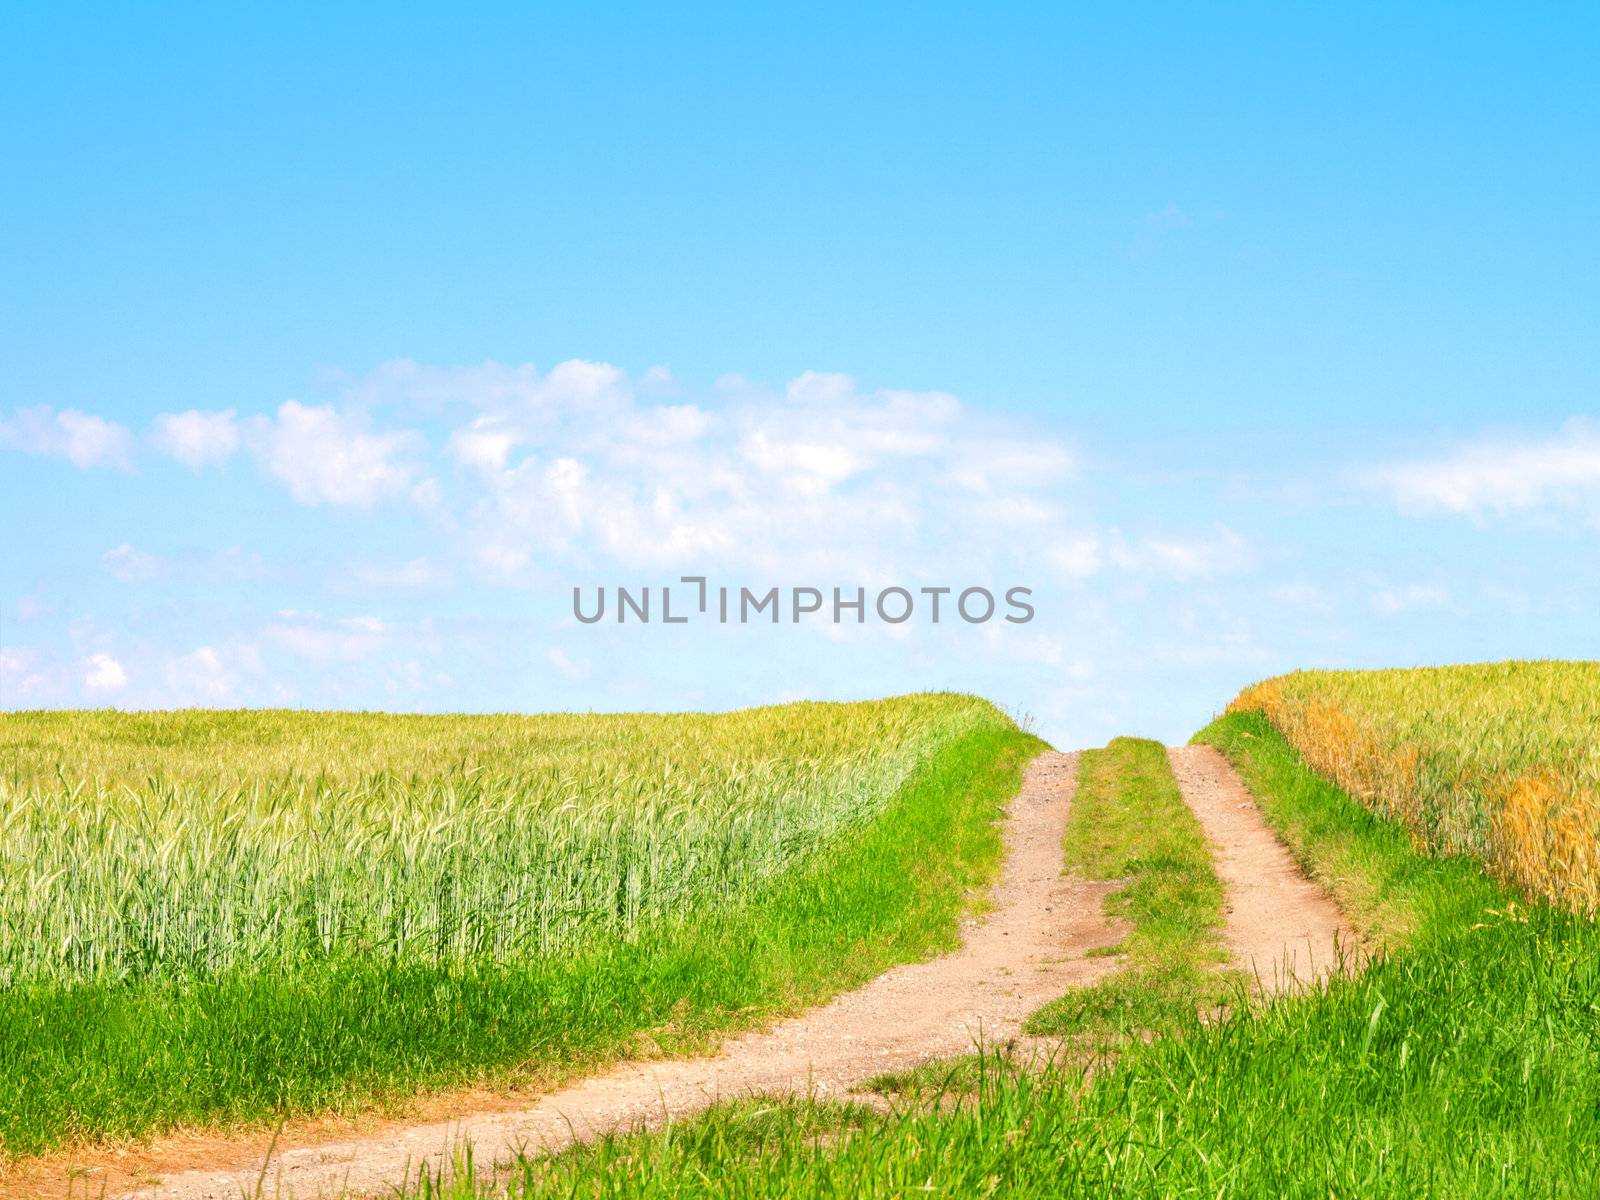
[[346, 639], [327, 457], [571, 669], [989, 467], [130, 565], [1223, 552], [1412, 595], [25, 676], [197, 438], [658, 380], [1302, 596], [81, 438], [806, 468], [668, 425], [1076, 558], [237, 563], [819, 477], [614, 477], [821, 388], [578, 382], [201, 675], [486, 444], [1501, 476], [414, 573], [598, 388], [104, 674]]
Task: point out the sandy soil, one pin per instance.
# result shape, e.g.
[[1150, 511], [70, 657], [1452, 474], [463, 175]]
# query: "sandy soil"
[[1281, 927], [1027, 950]]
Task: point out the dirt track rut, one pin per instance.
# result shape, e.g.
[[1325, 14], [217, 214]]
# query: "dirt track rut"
[[1282, 927]]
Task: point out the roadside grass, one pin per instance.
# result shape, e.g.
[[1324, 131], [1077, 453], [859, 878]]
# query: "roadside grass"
[[750, 1132], [107, 1060], [1129, 822], [957, 1074], [1463, 1061]]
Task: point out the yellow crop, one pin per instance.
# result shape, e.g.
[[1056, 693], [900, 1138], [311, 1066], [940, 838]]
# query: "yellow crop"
[[1498, 760]]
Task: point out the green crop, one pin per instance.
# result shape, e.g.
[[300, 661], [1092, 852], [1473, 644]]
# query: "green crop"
[[192, 843]]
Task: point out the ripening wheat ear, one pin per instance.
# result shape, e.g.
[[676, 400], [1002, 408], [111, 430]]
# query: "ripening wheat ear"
[[1500, 761]]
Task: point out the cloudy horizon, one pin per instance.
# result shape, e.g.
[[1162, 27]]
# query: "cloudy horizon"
[[449, 512]]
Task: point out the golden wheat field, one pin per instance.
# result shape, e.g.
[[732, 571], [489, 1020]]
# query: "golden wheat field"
[[1496, 760]]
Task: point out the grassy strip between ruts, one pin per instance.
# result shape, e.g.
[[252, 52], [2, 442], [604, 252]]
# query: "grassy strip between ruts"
[[1464, 1061], [1129, 822], [94, 1061]]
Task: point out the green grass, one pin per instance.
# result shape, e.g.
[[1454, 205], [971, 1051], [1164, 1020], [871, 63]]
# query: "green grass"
[[1465, 1061], [937, 1080], [117, 1057], [1129, 822]]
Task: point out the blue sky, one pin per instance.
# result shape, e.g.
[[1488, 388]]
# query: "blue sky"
[[339, 345]]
